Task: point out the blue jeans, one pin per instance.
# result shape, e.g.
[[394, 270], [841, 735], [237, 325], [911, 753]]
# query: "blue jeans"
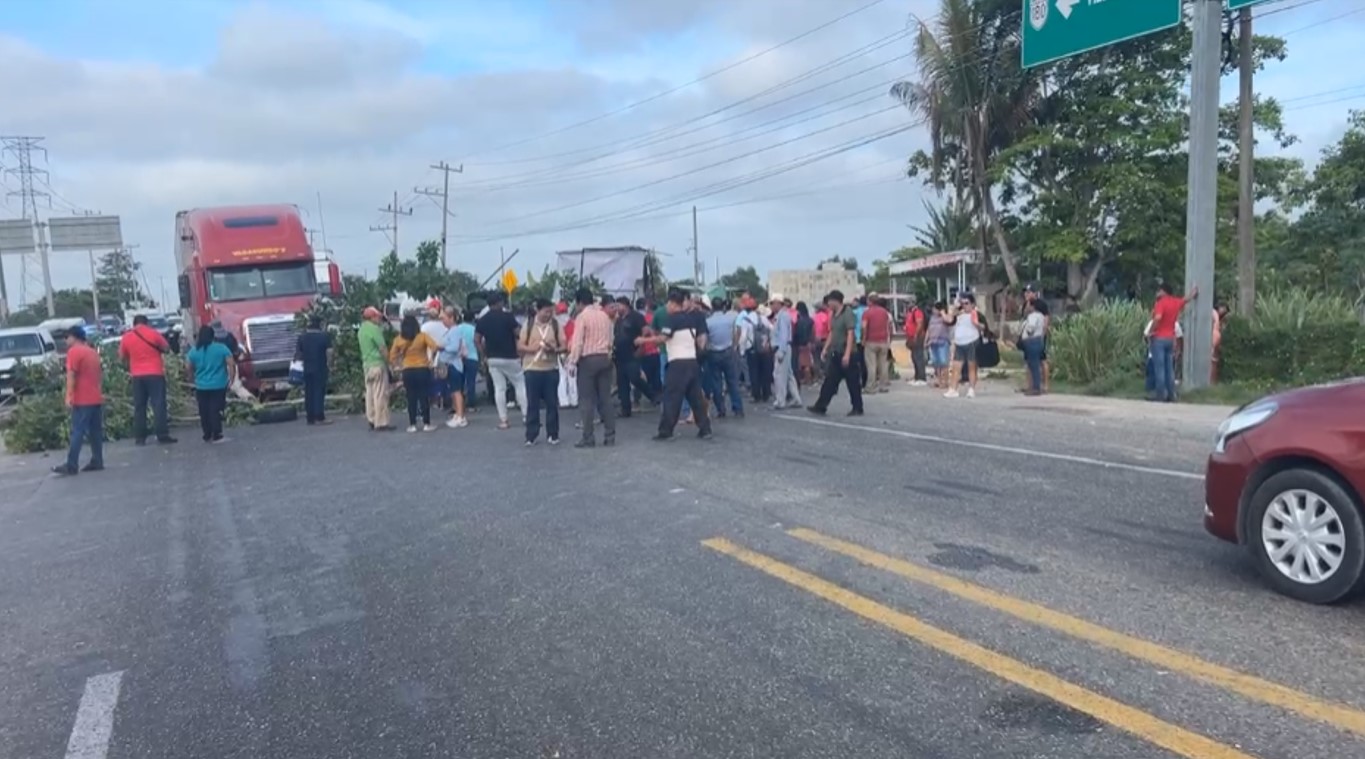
[[87, 423], [722, 369], [1163, 368], [1033, 356], [471, 379], [938, 355], [315, 396]]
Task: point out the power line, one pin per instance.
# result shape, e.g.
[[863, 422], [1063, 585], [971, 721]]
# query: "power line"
[[1323, 22], [1273, 11], [670, 131], [705, 146], [1314, 95], [715, 188], [735, 204], [1333, 101], [699, 169], [394, 210], [444, 195], [678, 88]]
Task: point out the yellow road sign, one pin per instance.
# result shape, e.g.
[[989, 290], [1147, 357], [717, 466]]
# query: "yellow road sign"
[[509, 280]]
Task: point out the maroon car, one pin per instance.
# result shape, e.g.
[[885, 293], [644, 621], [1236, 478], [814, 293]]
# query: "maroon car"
[[1286, 479]]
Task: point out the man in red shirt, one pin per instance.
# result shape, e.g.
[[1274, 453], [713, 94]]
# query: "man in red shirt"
[[141, 348], [877, 343], [1165, 314], [916, 326], [86, 401]]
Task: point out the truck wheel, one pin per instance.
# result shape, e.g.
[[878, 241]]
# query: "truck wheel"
[[1307, 537], [275, 414]]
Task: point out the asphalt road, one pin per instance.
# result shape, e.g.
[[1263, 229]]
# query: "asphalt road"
[[1002, 577]]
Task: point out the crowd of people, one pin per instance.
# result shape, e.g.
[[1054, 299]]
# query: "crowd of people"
[[693, 358]]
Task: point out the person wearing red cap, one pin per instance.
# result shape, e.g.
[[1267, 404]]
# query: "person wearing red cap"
[[374, 361]]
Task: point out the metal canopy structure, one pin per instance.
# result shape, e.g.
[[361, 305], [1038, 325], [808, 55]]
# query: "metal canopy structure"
[[939, 267], [85, 233]]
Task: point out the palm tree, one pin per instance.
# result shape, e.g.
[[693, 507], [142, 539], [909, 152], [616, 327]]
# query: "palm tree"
[[975, 99], [950, 226]]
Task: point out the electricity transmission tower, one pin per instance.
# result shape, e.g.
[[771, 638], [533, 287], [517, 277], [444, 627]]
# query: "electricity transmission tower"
[[444, 195], [34, 270], [392, 229]]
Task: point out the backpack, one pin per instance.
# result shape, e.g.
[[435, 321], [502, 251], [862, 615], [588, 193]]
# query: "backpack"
[[763, 334]]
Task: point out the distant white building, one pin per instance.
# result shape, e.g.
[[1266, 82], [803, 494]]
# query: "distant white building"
[[812, 285]]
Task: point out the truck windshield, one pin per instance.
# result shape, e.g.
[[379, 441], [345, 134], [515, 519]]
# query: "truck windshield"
[[19, 346], [269, 281]]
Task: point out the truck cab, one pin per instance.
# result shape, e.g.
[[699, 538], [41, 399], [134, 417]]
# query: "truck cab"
[[252, 269]]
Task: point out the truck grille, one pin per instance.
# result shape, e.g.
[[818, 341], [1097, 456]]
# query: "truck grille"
[[271, 340]]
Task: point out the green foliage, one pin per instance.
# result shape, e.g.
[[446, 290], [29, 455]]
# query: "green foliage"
[[1294, 338], [420, 277], [67, 304], [746, 278], [41, 422], [1099, 343], [1296, 308]]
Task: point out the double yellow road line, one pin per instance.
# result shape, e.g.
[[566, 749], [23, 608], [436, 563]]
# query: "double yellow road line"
[[1134, 721]]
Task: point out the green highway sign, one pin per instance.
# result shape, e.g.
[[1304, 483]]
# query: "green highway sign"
[[1235, 4], [1056, 29]]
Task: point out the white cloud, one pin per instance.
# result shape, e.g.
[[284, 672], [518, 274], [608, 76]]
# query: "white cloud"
[[353, 100]]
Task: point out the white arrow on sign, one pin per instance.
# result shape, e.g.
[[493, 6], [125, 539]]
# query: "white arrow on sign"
[[1066, 6]]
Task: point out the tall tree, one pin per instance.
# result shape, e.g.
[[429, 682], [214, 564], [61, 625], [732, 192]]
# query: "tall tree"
[[976, 99], [117, 281], [746, 278]]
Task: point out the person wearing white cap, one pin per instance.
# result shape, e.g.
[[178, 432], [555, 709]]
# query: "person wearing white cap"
[[786, 390]]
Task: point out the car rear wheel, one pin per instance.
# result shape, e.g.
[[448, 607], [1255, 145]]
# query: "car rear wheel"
[[1307, 537]]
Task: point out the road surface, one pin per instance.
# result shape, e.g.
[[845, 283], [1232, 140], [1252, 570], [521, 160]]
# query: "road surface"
[[1003, 577]]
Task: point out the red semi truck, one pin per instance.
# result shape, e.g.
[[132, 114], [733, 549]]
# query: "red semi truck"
[[251, 268]]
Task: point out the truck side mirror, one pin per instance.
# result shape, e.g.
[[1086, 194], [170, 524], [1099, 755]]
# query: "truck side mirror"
[[185, 296], [334, 278]]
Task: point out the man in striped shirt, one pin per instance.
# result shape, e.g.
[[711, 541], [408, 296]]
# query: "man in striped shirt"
[[590, 360]]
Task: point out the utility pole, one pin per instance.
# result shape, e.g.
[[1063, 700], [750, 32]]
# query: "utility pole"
[[94, 287], [1202, 199], [696, 254], [1246, 201], [395, 210], [444, 195], [33, 267]]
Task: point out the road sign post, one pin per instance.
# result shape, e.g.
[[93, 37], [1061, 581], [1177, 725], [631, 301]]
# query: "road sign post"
[[1056, 29]]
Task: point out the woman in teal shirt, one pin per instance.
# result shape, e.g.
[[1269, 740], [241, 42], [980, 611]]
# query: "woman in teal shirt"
[[211, 364]]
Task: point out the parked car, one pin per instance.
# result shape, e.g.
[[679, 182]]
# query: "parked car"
[[26, 346], [1285, 480]]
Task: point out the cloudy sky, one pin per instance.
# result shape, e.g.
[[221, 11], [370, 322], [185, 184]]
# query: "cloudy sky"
[[578, 122]]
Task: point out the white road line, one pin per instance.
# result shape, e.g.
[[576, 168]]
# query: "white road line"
[[95, 717], [1001, 448]]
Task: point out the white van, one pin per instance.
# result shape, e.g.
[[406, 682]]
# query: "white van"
[[22, 345]]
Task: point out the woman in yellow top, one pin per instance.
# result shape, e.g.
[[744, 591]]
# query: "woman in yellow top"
[[541, 345], [411, 354]]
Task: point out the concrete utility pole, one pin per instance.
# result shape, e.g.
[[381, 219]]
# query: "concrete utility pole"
[[94, 287], [696, 254], [444, 195], [1202, 201], [395, 210], [33, 267], [1246, 201]]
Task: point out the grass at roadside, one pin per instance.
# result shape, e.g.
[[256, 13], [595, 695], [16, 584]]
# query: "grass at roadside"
[[1223, 394]]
